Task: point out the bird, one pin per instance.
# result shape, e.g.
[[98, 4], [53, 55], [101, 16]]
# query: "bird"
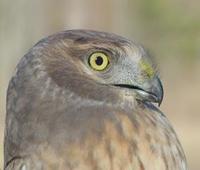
[[88, 100]]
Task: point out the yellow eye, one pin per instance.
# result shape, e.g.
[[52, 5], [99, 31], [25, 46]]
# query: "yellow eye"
[[98, 61]]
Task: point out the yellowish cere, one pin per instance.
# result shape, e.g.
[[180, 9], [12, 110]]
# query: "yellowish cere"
[[99, 66], [147, 68]]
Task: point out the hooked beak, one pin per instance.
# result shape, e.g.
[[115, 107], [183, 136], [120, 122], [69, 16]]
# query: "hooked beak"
[[151, 92]]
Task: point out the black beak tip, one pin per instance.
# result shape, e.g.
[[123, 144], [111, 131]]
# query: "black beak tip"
[[159, 103], [160, 93]]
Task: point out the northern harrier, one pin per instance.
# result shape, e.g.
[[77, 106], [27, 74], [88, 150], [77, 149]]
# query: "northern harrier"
[[82, 100]]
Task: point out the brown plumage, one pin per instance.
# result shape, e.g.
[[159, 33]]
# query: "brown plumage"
[[82, 100]]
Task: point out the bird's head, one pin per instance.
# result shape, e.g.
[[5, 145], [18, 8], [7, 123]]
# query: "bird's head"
[[94, 62]]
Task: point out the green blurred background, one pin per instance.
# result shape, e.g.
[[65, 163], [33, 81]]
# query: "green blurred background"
[[169, 29]]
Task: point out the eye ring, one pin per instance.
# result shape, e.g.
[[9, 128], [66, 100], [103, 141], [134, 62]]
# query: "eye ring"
[[98, 61]]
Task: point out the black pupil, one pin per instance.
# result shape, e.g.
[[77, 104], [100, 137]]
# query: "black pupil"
[[99, 60]]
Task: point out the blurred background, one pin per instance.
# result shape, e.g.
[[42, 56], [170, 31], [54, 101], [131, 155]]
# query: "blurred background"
[[169, 29]]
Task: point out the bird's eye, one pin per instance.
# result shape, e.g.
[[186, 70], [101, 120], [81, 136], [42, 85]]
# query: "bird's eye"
[[98, 61]]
